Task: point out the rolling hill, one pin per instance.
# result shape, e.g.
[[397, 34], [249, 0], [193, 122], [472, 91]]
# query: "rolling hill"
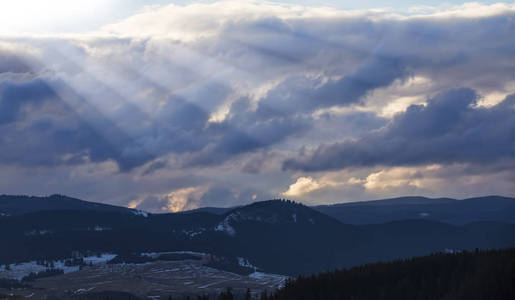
[[465, 275], [11, 205], [276, 236], [447, 210]]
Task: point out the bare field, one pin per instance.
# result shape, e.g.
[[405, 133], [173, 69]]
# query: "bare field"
[[155, 280]]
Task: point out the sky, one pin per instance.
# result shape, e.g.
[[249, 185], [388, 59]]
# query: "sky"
[[172, 105]]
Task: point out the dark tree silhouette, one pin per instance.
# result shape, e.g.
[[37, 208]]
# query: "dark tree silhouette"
[[465, 275], [226, 295]]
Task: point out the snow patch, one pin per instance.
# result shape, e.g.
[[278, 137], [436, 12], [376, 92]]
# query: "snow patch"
[[243, 262], [103, 258], [138, 212], [269, 278], [451, 251], [156, 254], [38, 232], [100, 228], [225, 225], [20, 270], [82, 291], [194, 232]]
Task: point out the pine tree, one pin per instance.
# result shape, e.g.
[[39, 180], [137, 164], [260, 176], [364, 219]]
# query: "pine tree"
[[227, 295]]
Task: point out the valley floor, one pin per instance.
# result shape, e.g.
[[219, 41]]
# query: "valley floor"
[[153, 280]]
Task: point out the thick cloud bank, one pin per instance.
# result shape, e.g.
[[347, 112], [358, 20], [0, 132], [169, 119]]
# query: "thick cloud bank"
[[449, 129], [181, 106]]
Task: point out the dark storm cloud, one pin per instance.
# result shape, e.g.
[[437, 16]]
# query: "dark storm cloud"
[[286, 79], [14, 96], [350, 58], [300, 95], [449, 129], [380, 71], [12, 63], [62, 136], [238, 136], [53, 132], [212, 99]]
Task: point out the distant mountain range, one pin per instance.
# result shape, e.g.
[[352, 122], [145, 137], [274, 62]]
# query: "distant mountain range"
[[17, 205], [276, 236], [447, 210], [490, 208]]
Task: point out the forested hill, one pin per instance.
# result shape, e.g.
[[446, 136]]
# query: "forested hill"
[[276, 236], [465, 275], [446, 210], [12, 205]]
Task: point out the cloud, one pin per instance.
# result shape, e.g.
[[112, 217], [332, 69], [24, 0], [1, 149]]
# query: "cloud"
[[303, 185], [46, 115], [448, 129], [274, 74], [184, 199], [227, 196], [15, 96], [440, 180], [396, 177], [307, 95], [220, 94]]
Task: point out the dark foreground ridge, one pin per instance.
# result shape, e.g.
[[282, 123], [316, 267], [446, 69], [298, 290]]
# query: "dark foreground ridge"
[[465, 275]]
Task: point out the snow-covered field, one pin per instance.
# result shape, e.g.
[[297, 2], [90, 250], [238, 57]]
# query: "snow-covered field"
[[20, 270], [156, 254], [157, 279], [269, 279]]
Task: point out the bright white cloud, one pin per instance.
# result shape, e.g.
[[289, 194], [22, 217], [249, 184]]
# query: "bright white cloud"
[[204, 20], [28, 17], [397, 178], [302, 186], [185, 198]]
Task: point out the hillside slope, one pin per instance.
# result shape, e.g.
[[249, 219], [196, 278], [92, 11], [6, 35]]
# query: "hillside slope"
[[11, 205], [466, 275], [276, 236]]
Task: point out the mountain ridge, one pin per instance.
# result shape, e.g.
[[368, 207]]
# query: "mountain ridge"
[[277, 236], [22, 204], [447, 210]]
